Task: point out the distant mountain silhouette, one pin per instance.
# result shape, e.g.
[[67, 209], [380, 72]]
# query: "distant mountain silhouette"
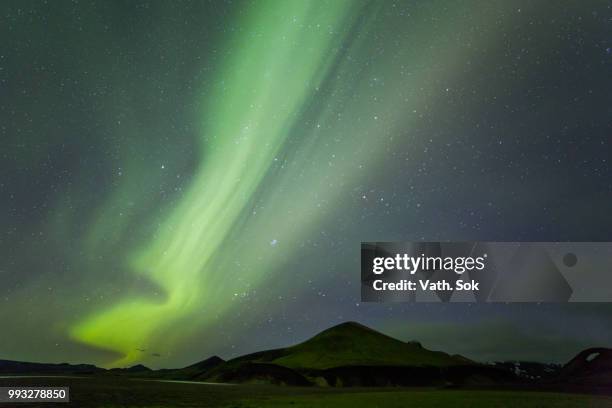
[[20, 367], [351, 354], [531, 370]]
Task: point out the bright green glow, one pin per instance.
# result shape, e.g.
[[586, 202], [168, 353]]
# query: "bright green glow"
[[278, 62], [252, 116]]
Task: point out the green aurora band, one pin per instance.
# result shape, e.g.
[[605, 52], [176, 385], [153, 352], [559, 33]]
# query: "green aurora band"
[[288, 57], [262, 87]]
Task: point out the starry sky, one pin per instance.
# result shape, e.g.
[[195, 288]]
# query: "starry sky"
[[183, 179]]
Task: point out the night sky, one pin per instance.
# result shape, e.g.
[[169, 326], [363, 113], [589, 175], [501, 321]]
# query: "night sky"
[[182, 179]]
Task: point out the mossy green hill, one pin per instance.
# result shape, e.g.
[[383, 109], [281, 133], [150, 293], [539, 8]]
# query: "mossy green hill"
[[351, 344]]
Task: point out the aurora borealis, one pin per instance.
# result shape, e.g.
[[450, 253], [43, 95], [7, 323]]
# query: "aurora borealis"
[[188, 179]]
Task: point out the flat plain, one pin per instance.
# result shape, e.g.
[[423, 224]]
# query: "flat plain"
[[111, 392]]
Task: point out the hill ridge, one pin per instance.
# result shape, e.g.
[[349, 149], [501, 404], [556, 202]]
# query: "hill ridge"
[[352, 343]]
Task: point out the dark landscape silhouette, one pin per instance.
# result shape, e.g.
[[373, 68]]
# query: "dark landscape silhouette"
[[353, 355]]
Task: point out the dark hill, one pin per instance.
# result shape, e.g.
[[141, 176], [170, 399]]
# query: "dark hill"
[[591, 367]]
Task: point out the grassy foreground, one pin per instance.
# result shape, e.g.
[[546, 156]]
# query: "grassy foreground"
[[128, 393], [434, 398]]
